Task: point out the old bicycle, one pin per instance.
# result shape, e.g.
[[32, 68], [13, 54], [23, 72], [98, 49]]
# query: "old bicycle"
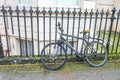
[[54, 55]]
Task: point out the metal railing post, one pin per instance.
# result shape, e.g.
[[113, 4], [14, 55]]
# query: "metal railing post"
[[25, 29], [37, 13], [31, 18], [110, 30], [19, 32], [6, 31]]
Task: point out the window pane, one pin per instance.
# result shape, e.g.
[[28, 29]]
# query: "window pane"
[[89, 4], [59, 3], [66, 2], [25, 2], [46, 3]]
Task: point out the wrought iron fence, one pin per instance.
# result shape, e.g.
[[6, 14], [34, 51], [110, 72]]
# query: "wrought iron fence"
[[25, 31]]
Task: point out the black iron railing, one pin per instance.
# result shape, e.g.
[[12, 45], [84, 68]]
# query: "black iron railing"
[[33, 28]]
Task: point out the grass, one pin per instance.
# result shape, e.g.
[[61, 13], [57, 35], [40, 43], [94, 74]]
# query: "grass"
[[113, 42]]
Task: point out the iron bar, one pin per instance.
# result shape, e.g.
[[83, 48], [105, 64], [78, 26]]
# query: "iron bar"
[[110, 30], [18, 21], [37, 13], [31, 18], [25, 30]]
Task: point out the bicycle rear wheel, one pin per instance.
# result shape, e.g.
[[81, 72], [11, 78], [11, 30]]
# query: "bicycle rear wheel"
[[53, 56], [96, 54]]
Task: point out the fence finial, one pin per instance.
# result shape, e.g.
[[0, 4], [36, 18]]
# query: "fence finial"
[[91, 12], [68, 11], [10, 10], [31, 11], [86, 12], [97, 12], [114, 9], [56, 11], [50, 11], [37, 10], [17, 9], [107, 12], [43, 11], [102, 12], [80, 12], [62, 11], [24, 10], [74, 12], [3, 9]]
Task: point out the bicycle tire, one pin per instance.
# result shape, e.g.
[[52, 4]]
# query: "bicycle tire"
[[53, 61], [98, 56]]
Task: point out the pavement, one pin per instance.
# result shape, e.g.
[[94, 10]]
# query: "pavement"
[[71, 71]]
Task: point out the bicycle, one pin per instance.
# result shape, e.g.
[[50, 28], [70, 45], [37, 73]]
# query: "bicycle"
[[54, 55]]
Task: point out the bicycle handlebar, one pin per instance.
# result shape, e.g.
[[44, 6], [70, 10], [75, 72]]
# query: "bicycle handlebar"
[[84, 32], [59, 27]]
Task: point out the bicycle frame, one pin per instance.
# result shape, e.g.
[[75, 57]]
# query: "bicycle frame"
[[63, 40]]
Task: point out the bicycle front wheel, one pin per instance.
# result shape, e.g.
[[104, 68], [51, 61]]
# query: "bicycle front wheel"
[[53, 56], [96, 54]]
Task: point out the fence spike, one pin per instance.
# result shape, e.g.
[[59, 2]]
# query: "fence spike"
[[10, 10], [56, 11], [102, 12], [114, 10], [43, 11], [37, 10], [31, 11], [86, 12], [17, 9], [74, 12], [24, 10], [97, 12], [113, 13], [68, 11], [3, 9], [107, 12], [80, 12], [62, 11], [91, 12], [50, 11]]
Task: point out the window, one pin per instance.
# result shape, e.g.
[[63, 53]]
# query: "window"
[[59, 3], [89, 4], [66, 3], [29, 47], [24, 2]]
